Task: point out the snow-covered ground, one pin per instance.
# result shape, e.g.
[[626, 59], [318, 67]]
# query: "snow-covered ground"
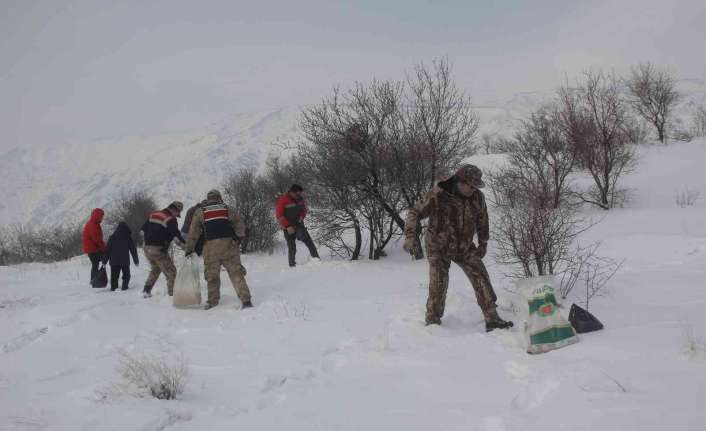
[[342, 346]]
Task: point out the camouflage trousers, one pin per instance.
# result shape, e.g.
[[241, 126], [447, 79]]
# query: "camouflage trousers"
[[160, 262], [223, 252], [475, 270]]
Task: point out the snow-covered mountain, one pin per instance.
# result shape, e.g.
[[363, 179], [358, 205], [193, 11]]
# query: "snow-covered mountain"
[[52, 183]]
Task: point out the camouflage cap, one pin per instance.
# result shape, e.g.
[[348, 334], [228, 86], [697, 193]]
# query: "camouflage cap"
[[470, 174], [178, 206], [214, 195]]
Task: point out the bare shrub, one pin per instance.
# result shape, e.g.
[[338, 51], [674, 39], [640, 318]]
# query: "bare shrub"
[[687, 197], [637, 131], [596, 121], [698, 121], [133, 208], [653, 96], [154, 375], [679, 131], [22, 243], [541, 157], [530, 235], [246, 192], [590, 272], [693, 344], [494, 144], [284, 311]]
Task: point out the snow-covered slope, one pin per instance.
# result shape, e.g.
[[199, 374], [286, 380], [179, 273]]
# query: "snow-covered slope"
[[52, 183], [342, 345]]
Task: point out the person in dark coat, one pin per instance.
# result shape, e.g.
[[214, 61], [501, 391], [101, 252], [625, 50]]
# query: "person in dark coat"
[[118, 250]]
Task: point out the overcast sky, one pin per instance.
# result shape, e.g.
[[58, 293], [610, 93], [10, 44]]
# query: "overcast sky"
[[83, 70]]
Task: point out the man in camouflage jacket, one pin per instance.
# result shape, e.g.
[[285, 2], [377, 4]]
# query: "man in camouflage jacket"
[[457, 212]]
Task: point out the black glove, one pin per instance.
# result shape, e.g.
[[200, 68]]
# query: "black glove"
[[482, 249]]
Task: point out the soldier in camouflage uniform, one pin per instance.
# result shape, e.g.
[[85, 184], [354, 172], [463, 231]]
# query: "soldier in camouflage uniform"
[[223, 230], [160, 229], [457, 212]]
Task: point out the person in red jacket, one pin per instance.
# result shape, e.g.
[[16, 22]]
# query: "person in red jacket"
[[290, 211], [92, 237]]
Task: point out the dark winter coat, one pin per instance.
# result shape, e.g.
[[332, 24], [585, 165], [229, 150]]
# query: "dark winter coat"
[[92, 237], [120, 247], [453, 220], [161, 228], [290, 211]]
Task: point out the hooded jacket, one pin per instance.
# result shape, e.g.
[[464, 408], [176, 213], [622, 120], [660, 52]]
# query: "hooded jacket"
[[121, 246], [93, 233], [454, 220]]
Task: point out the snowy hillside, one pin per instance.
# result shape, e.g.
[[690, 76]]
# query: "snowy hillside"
[[51, 183], [342, 345]]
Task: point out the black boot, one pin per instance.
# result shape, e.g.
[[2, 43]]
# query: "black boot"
[[497, 323], [246, 304], [432, 321]]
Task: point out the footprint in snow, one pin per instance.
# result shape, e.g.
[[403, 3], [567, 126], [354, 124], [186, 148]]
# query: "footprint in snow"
[[23, 340], [534, 394]]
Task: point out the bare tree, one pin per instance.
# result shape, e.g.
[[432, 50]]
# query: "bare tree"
[[530, 235], [596, 122], [333, 181], [133, 208], [438, 132], [698, 121], [391, 142], [441, 117], [653, 95], [542, 157], [246, 192], [353, 133]]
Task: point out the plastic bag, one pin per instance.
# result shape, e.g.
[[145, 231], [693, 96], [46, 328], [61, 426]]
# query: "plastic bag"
[[583, 321], [546, 329], [187, 286]]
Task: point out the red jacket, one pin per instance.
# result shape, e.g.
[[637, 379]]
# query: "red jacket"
[[93, 233], [290, 212]]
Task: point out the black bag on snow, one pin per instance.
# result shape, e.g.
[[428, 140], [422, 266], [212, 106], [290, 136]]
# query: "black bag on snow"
[[101, 278], [583, 321]]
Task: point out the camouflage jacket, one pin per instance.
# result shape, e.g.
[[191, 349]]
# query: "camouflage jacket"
[[453, 220]]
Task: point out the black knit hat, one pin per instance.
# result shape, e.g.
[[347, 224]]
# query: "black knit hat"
[[296, 188]]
